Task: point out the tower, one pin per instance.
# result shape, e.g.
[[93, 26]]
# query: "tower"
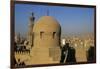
[[30, 34]]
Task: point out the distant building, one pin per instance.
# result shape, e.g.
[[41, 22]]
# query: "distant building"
[[63, 41]]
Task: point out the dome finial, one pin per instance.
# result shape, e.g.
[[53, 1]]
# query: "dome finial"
[[32, 14]]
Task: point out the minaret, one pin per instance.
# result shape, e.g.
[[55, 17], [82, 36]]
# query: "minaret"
[[30, 34]]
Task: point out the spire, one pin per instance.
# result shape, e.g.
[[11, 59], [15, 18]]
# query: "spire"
[[32, 14], [30, 29], [32, 17]]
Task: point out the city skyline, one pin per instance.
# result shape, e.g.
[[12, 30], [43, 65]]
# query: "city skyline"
[[73, 20]]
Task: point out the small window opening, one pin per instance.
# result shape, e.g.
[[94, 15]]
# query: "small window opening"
[[41, 34], [54, 33]]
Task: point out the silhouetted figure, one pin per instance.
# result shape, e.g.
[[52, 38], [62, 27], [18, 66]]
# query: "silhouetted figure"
[[68, 54], [20, 63], [91, 54]]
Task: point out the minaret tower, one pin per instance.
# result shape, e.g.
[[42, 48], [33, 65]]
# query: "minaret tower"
[[30, 34]]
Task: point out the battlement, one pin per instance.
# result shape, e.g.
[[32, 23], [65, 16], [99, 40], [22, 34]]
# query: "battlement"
[[22, 52]]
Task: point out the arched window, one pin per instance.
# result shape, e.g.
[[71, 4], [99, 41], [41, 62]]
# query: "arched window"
[[54, 34], [41, 34]]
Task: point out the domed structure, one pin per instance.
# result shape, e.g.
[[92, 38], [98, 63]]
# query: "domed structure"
[[47, 24], [46, 48], [46, 32]]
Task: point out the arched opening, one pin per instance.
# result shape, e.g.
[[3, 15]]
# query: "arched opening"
[[54, 34], [41, 34]]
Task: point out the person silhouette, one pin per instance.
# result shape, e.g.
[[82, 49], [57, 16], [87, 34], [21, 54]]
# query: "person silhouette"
[[68, 54], [90, 54]]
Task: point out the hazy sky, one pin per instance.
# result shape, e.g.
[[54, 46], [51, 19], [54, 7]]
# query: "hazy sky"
[[73, 20]]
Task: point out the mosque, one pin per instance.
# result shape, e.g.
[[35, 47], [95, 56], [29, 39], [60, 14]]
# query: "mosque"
[[44, 42]]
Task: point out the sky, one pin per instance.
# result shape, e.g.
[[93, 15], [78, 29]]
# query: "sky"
[[73, 20]]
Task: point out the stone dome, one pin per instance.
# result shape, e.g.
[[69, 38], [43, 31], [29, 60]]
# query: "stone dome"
[[46, 41], [47, 24]]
